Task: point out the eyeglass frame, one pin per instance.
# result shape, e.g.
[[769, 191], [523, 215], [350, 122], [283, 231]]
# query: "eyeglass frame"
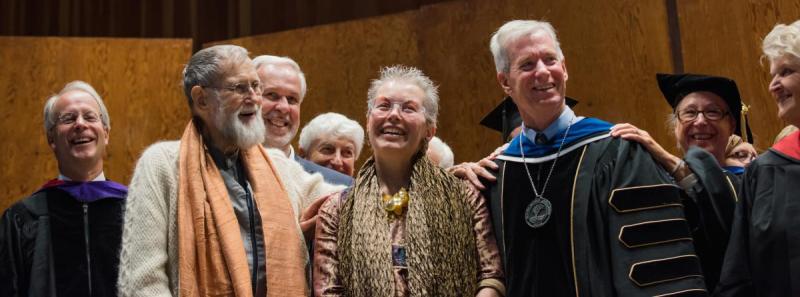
[[393, 103], [62, 118], [697, 113], [238, 88]]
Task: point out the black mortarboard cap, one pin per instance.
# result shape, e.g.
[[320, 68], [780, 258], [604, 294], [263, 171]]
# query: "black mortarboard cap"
[[676, 86], [505, 117]]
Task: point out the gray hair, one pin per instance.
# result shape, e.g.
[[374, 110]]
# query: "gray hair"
[[264, 60], [514, 30], [332, 124], [50, 116], [782, 40], [413, 76], [206, 66], [444, 150]]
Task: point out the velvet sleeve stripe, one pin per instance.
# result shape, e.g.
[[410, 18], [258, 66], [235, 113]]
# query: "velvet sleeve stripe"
[[654, 232], [631, 199], [658, 271]]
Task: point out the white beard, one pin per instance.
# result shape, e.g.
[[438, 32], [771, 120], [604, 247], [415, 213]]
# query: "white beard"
[[243, 135]]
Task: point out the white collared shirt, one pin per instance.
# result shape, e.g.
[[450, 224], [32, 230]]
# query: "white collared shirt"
[[100, 177], [560, 124]]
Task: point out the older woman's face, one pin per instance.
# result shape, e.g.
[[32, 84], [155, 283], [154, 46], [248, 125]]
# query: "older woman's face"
[[710, 135], [785, 87], [337, 153], [396, 125]]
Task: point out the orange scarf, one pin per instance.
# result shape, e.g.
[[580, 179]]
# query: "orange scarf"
[[211, 255]]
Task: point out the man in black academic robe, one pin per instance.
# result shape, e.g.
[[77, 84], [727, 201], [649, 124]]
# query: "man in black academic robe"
[[576, 212], [64, 239]]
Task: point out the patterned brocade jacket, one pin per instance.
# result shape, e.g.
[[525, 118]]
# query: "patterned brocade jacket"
[[326, 279]]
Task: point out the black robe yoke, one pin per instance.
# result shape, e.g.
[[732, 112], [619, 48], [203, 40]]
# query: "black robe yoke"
[[628, 235], [763, 256], [43, 249]]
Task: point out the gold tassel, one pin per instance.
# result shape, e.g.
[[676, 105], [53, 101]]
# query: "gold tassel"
[[743, 121]]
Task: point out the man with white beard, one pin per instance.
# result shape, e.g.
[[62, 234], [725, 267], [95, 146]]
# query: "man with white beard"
[[215, 213], [284, 89]]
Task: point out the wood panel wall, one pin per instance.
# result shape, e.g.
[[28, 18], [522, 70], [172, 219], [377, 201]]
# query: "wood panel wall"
[[613, 51], [729, 44], [139, 80]]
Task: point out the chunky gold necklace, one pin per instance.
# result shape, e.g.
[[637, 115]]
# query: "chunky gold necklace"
[[396, 204]]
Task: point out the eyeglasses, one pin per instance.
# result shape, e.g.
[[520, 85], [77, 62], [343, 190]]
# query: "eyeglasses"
[[408, 107], [70, 118], [242, 89], [689, 115], [743, 156]]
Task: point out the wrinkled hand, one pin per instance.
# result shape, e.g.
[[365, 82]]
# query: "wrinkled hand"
[[308, 220], [472, 171], [630, 132], [487, 292]]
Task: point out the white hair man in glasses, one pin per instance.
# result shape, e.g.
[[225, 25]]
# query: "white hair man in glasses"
[[284, 90], [215, 213], [64, 239], [575, 211]]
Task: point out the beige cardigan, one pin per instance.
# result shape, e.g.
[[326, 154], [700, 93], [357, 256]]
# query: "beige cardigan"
[[149, 257]]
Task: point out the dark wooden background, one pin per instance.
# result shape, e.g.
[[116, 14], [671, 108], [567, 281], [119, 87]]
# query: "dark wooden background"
[[613, 51]]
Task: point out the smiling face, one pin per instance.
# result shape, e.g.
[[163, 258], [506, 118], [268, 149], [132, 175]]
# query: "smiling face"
[[79, 138], [396, 125], [337, 153], [236, 116], [537, 78], [702, 132], [281, 105], [785, 87]]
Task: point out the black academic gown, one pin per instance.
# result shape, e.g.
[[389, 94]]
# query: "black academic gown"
[[43, 249], [763, 257], [709, 206], [626, 230]]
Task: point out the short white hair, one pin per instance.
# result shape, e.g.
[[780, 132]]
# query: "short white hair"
[[412, 75], [443, 150], [332, 124], [50, 116], [514, 30], [265, 60], [782, 40]]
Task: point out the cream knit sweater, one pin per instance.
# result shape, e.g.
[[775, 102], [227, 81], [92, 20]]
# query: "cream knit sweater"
[[149, 255]]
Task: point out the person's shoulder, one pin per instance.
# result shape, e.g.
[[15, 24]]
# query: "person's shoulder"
[[33, 205], [772, 157], [329, 175], [160, 151]]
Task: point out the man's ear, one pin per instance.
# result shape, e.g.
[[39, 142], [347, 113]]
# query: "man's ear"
[[502, 78], [51, 140], [200, 98], [107, 135], [564, 66]]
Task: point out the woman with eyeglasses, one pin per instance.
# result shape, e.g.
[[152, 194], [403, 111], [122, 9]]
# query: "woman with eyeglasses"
[[706, 112], [406, 227], [763, 258]]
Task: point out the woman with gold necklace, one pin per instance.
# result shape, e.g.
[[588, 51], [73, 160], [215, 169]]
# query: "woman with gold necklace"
[[406, 227]]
